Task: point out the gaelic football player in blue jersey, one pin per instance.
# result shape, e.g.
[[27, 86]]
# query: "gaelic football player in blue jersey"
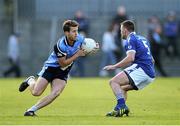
[[56, 67], [139, 71]]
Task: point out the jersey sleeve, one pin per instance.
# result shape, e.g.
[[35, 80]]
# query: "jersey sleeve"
[[59, 51], [130, 45]]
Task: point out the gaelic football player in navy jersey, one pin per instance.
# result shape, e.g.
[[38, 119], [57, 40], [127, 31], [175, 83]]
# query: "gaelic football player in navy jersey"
[[139, 71], [56, 68]]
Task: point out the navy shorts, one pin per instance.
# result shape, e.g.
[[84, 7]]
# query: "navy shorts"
[[51, 73]]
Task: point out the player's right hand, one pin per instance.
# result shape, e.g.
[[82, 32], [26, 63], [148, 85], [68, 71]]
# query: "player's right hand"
[[95, 49], [81, 52], [109, 67]]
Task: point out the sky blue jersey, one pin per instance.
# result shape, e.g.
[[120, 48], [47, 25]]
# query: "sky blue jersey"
[[61, 49], [143, 57]]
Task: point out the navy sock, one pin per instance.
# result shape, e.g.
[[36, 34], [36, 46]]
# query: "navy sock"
[[121, 101]]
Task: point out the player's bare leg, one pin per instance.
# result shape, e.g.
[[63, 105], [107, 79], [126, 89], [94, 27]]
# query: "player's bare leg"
[[56, 88], [125, 89], [38, 87], [118, 83]]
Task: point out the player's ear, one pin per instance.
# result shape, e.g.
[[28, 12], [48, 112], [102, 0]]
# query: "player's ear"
[[66, 33], [125, 31]]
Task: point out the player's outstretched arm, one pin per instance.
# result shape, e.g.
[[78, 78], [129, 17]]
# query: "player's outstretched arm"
[[126, 61]]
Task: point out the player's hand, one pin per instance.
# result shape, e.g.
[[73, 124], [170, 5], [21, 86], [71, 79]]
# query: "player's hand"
[[109, 67], [81, 52], [95, 49]]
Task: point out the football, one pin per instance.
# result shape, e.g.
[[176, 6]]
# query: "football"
[[89, 45]]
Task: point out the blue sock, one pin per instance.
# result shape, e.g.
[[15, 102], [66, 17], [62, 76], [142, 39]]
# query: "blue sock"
[[121, 101], [120, 98]]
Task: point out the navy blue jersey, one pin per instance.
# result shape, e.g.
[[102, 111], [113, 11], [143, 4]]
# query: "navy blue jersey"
[[143, 57], [61, 49]]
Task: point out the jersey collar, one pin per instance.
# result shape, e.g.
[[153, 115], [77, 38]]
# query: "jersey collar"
[[131, 34], [66, 42]]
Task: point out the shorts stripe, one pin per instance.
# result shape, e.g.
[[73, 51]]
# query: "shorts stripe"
[[131, 82]]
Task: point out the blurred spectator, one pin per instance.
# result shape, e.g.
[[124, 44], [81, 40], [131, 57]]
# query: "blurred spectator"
[[154, 35], [83, 21], [108, 48], [13, 56], [119, 18], [171, 34]]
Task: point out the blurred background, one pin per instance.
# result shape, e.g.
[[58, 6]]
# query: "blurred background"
[[30, 28]]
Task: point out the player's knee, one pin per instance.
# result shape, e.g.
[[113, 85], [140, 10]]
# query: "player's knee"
[[113, 82], [36, 93]]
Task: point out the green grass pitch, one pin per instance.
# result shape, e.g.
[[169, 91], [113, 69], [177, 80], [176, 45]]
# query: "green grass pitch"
[[87, 100]]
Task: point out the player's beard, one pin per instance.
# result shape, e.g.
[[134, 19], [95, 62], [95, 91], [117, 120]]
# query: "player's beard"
[[72, 38]]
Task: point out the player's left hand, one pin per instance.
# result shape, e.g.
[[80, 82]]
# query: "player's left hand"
[[95, 49], [109, 67]]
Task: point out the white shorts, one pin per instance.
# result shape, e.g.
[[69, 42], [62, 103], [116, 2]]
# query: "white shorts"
[[137, 74]]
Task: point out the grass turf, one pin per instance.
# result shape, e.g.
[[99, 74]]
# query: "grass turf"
[[85, 101]]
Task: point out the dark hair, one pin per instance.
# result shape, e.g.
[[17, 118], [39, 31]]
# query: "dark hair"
[[111, 27], [69, 23], [129, 25]]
